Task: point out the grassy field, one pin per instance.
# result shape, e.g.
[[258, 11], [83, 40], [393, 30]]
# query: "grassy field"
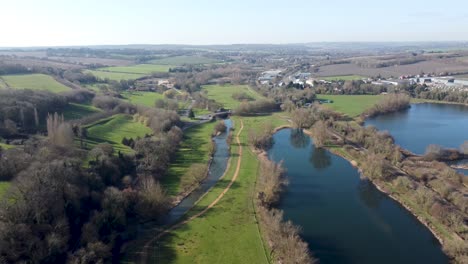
[[142, 98], [342, 78], [228, 232], [144, 69], [116, 76], [351, 105], [194, 149], [34, 82], [180, 60], [223, 94], [6, 146], [113, 130], [4, 187], [76, 111]]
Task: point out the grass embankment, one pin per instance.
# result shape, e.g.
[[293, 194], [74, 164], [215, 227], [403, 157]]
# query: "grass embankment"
[[76, 111], [351, 105], [181, 60], [112, 130], [228, 232], [142, 98], [223, 94], [194, 149], [34, 82], [342, 78]]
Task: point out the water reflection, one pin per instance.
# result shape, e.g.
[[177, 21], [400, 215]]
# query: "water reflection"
[[320, 158], [369, 195], [298, 139], [344, 219]]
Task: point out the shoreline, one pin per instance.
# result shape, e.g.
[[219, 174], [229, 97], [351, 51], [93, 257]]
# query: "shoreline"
[[380, 188]]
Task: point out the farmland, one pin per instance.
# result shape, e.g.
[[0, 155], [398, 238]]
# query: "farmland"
[[194, 149], [223, 94], [112, 130], [437, 66], [142, 98], [144, 69], [76, 111], [351, 105], [181, 60], [116, 76], [343, 78], [34, 82]]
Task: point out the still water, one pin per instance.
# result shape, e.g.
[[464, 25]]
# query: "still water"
[[346, 219], [424, 124]]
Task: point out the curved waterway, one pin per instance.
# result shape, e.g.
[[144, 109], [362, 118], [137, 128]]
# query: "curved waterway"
[[216, 170], [345, 219], [424, 124], [218, 165]]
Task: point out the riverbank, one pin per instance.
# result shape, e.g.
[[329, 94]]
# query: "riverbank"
[[438, 231]]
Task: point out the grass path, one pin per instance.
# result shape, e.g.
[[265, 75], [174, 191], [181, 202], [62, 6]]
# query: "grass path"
[[147, 246]]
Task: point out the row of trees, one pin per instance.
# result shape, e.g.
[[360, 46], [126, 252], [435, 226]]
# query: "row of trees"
[[25, 111], [390, 103], [256, 107], [283, 237]]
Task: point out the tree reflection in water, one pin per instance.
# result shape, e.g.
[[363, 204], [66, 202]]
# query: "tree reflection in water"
[[369, 194], [298, 139], [320, 158]]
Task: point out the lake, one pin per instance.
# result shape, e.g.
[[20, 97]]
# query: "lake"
[[424, 124], [345, 219]]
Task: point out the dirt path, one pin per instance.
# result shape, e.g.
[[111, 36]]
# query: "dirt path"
[[146, 247]]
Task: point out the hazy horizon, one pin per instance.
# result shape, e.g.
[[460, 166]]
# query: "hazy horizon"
[[87, 23]]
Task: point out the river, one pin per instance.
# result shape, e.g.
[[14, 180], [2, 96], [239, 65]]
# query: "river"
[[346, 219], [146, 232], [217, 168]]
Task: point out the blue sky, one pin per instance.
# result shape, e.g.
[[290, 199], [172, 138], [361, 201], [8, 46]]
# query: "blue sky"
[[87, 22]]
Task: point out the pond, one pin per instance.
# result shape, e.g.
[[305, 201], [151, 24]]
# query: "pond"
[[345, 219]]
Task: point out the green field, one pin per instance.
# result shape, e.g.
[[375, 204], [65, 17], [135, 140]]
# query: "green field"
[[228, 232], [116, 76], [3, 187], [76, 111], [342, 78], [144, 69], [223, 94], [180, 60], [6, 146], [142, 98], [194, 149], [351, 105], [96, 87], [112, 130], [34, 82]]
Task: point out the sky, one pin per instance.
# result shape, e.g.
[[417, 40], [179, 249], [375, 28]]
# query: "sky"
[[27, 23]]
